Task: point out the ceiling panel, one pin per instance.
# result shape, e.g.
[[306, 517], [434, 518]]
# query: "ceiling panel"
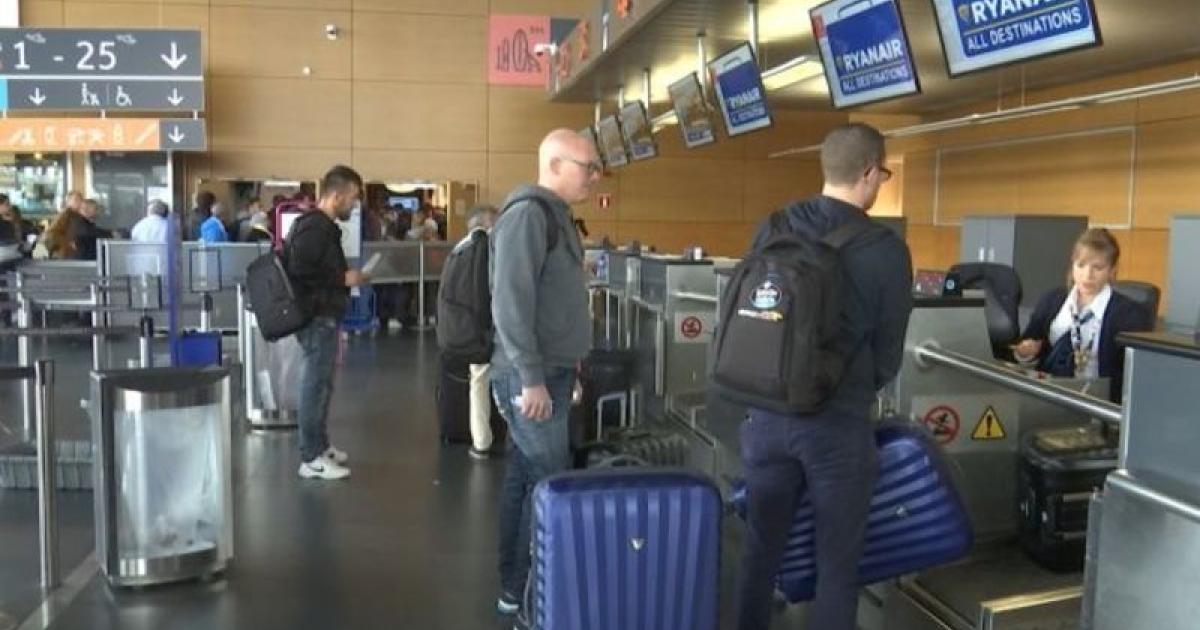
[[1136, 34]]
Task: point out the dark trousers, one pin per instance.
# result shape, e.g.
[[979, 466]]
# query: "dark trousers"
[[832, 458]]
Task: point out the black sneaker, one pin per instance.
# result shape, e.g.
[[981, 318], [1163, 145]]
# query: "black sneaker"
[[508, 604], [478, 454]]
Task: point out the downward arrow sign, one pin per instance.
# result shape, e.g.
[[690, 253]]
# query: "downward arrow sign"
[[175, 99], [176, 59], [37, 98], [176, 136]]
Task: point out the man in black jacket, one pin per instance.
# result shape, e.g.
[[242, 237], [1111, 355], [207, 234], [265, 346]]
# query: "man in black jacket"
[[830, 454], [318, 269]]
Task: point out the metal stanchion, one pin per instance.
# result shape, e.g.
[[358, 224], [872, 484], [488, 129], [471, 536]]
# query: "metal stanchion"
[[96, 337], [145, 339], [23, 322], [47, 484], [423, 324]]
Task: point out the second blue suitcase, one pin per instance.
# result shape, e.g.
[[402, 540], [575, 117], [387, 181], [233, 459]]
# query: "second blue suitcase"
[[626, 549], [917, 519]]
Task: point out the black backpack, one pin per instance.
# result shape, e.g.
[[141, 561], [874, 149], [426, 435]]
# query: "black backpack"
[[278, 308], [779, 346], [464, 304]]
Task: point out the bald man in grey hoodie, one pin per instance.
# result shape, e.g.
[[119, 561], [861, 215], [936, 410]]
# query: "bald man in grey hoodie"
[[540, 314]]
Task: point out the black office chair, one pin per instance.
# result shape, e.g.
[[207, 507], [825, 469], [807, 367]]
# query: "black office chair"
[[1143, 293], [1002, 294]]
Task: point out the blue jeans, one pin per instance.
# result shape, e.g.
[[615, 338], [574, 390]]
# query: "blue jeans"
[[541, 449], [318, 341], [832, 457]]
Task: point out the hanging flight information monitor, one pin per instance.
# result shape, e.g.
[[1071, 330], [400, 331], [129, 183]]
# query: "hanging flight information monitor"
[[865, 51], [691, 111], [636, 128], [739, 90], [981, 34], [612, 145]]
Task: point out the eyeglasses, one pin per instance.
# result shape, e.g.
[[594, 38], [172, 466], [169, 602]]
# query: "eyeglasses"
[[887, 172], [593, 168]]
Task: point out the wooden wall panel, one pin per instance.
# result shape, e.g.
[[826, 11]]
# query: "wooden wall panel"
[[506, 171], [439, 7], [262, 42], [42, 13], [792, 129], [1089, 175], [518, 118], [918, 191], [427, 48], [288, 4], [933, 247], [590, 209], [1080, 174], [233, 163], [1144, 256], [670, 144], [557, 8], [402, 166], [414, 116], [255, 113], [683, 190], [770, 184], [1168, 159]]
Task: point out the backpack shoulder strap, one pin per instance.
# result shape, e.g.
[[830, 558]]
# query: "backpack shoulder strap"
[[552, 231], [845, 233]]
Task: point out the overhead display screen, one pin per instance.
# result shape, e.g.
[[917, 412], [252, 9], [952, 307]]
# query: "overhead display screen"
[[611, 144], [589, 132], [981, 34], [864, 50], [691, 111], [740, 93], [636, 129]]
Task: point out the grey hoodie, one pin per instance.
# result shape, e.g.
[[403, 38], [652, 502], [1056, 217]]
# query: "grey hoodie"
[[539, 297]]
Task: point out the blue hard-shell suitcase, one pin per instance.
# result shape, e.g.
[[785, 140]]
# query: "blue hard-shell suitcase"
[[626, 549], [917, 519]]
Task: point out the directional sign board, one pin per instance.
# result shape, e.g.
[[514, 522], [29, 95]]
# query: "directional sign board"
[[89, 69], [108, 94], [101, 134]]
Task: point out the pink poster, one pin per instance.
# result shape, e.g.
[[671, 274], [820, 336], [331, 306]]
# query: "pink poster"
[[511, 40]]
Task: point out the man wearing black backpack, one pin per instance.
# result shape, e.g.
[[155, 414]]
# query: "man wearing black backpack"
[[318, 271], [828, 449], [540, 313]]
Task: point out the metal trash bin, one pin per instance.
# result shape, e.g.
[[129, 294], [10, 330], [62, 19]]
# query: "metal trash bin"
[[271, 375], [164, 493]]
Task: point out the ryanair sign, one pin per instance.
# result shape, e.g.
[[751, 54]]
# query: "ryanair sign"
[[864, 50], [979, 34]]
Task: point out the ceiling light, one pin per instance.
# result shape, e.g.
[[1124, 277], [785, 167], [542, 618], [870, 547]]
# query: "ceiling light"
[[801, 68]]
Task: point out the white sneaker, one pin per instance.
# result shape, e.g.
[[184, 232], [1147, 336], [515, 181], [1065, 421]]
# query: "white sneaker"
[[337, 455], [323, 468]]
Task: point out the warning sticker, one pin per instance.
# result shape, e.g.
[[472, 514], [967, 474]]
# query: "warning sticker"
[[694, 327], [989, 426], [943, 421]]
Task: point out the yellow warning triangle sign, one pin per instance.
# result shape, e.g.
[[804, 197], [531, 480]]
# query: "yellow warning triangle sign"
[[989, 427]]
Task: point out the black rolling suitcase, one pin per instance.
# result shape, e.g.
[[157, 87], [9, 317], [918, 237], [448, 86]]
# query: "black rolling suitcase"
[[1059, 471], [652, 445], [605, 372], [454, 400]]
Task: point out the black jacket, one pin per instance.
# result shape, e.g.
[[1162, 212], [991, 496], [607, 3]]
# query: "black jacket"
[[1122, 315], [316, 264], [878, 271]]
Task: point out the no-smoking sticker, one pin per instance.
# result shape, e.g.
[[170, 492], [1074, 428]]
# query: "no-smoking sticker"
[[943, 422], [693, 327]]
